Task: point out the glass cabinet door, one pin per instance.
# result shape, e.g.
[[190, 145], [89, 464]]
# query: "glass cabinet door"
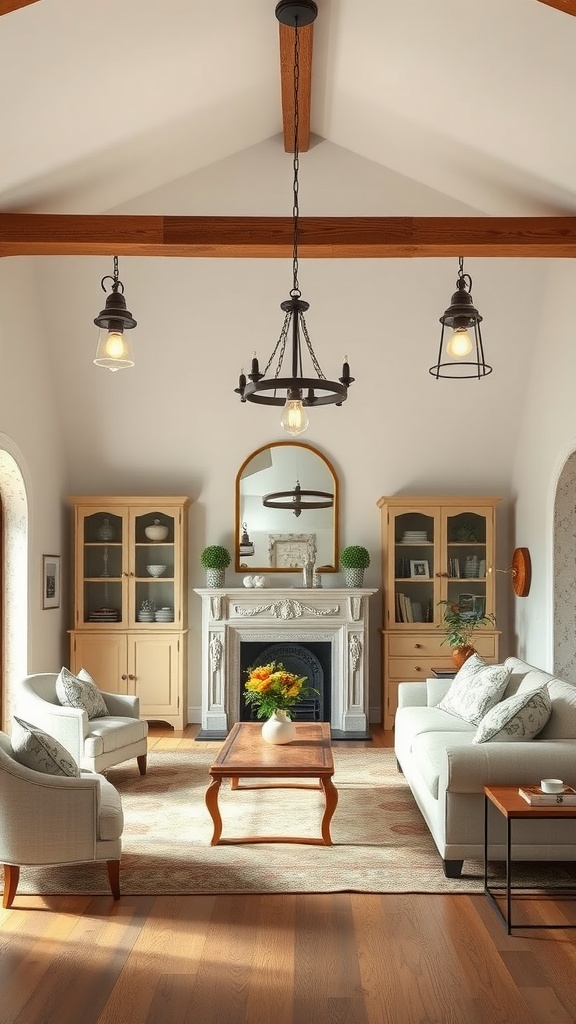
[[155, 579], [469, 540], [415, 584], [102, 564]]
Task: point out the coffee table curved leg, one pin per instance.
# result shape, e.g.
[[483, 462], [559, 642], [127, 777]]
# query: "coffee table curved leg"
[[211, 799], [331, 799]]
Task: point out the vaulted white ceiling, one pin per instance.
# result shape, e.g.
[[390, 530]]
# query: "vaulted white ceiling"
[[429, 109], [104, 100]]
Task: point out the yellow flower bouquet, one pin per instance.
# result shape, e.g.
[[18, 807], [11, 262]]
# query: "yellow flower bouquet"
[[271, 688]]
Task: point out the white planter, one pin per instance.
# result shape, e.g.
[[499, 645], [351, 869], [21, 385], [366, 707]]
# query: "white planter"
[[215, 577], [354, 577]]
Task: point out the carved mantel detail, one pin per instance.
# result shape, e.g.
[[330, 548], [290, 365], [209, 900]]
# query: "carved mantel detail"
[[287, 609]]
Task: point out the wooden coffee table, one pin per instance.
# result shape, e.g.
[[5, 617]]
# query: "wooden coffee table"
[[245, 755]]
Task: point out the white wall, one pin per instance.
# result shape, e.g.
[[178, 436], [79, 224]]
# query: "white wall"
[[31, 433], [546, 437]]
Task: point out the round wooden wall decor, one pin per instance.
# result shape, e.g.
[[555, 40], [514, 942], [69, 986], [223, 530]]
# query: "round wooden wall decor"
[[521, 572]]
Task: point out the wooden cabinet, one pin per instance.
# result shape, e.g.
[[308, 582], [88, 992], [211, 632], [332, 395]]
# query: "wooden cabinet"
[[130, 599], [434, 549]]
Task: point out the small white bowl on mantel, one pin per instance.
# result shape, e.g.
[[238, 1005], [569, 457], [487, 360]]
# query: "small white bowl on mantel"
[[155, 570]]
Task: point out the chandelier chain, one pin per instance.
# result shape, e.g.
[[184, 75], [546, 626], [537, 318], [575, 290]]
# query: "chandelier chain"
[[315, 362], [296, 163]]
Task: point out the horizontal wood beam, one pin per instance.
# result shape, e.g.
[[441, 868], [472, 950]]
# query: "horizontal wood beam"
[[38, 234]]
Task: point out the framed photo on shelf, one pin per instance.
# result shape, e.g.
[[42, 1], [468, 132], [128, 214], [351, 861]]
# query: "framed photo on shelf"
[[479, 607], [50, 581], [419, 569]]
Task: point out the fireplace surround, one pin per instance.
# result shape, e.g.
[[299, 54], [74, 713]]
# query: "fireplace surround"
[[232, 617]]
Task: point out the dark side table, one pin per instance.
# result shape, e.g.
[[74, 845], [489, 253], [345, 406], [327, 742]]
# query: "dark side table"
[[515, 808]]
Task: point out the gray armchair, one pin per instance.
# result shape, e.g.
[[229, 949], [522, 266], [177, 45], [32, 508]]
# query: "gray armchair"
[[55, 819], [95, 744]]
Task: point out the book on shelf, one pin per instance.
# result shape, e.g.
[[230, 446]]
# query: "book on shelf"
[[534, 795]]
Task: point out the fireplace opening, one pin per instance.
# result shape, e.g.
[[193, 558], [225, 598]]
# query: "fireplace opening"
[[311, 659]]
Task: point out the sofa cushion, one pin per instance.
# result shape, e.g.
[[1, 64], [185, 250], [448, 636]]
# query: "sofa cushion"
[[111, 733], [562, 721], [35, 749], [520, 717], [429, 751], [76, 692], [475, 689]]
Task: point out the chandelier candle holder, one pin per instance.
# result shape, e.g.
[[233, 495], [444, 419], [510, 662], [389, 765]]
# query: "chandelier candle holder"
[[299, 391], [114, 350], [457, 348]]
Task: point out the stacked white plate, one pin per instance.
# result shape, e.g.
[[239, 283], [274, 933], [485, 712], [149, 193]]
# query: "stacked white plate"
[[165, 615], [414, 536], [145, 616]]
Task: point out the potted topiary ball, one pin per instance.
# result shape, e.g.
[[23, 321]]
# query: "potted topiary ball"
[[215, 560], [354, 560]]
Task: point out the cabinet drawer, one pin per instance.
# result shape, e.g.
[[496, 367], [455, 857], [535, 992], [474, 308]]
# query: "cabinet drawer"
[[423, 646], [420, 645], [415, 668]]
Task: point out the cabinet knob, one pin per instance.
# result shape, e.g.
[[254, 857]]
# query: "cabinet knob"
[[417, 668], [131, 677], [417, 646], [124, 676]]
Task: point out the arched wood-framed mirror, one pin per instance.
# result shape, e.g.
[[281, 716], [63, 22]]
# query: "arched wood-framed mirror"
[[282, 539]]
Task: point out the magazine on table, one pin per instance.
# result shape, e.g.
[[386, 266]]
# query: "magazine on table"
[[535, 795]]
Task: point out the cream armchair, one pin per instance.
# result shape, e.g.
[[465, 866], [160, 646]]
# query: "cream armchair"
[[55, 819], [95, 744]]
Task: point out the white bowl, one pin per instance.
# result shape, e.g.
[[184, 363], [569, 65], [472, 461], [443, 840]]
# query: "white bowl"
[[156, 531], [551, 785], [155, 570]]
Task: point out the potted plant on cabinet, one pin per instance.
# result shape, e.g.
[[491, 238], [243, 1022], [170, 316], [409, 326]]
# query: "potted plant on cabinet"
[[215, 560], [459, 624], [354, 560]]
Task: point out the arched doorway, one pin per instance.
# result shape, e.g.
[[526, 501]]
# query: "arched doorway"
[[14, 575], [565, 572]]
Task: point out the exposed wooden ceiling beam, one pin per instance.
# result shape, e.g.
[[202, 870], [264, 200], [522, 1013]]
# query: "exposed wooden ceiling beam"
[[6, 6], [568, 6], [306, 35], [37, 234]]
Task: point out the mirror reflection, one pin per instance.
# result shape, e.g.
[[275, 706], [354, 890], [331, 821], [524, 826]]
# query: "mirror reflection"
[[286, 510]]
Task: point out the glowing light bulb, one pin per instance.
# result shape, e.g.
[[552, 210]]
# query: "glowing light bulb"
[[460, 344], [294, 419], [115, 347]]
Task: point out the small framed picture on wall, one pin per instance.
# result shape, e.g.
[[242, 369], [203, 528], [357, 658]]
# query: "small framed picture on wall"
[[50, 581]]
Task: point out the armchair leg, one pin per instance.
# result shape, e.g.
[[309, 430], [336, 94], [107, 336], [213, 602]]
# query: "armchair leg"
[[11, 876], [114, 877], [142, 763]]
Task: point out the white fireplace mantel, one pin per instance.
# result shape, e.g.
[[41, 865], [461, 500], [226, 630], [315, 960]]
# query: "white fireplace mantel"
[[338, 616]]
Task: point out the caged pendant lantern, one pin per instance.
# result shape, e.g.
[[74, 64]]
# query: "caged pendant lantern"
[[461, 353], [114, 350], [300, 391]]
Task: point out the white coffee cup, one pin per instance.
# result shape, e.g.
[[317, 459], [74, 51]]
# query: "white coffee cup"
[[551, 785]]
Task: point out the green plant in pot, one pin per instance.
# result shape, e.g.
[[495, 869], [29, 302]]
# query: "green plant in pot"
[[354, 560], [215, 560], [459, 623]]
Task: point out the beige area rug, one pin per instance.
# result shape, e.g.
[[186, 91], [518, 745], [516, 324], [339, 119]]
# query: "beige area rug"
[[381, 843]]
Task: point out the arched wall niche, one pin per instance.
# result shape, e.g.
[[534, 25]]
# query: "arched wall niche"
[[564, 576], [15, 574]]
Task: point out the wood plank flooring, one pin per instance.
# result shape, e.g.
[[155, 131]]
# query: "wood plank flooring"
[[339, 958]]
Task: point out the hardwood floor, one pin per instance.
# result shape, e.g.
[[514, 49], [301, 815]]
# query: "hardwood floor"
[[340, 958]]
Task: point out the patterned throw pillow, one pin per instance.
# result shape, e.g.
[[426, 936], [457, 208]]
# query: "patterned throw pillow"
[[74, 692], [41, 752], [520, 717], [475, 689]]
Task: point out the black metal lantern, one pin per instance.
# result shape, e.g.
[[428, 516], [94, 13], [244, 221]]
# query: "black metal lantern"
[[298, 391], [457, 349], [114, 350]]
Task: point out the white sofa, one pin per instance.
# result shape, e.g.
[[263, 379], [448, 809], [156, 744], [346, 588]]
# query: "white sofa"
[[446, 770]]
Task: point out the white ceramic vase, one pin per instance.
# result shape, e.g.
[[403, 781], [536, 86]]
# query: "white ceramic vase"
[[279, 728], [215, 577]]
